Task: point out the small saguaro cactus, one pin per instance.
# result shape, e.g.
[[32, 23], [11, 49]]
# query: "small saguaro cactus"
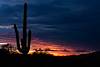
[[23, 45]]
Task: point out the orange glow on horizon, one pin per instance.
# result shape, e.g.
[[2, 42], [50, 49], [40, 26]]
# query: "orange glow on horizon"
[[55, 48], [58, 49]]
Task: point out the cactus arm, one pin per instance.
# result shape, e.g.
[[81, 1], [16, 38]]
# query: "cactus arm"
[[17, 37], [29, 39]]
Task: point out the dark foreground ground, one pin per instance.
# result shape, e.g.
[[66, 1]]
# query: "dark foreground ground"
[[13, 60]]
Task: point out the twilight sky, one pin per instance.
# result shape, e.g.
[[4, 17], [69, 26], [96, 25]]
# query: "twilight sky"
[[62, 21]]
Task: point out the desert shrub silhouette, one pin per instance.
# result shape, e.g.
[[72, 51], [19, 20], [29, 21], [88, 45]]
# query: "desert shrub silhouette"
[[41, 54]]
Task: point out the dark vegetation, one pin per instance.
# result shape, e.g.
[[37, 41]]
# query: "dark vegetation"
[[44, 59]]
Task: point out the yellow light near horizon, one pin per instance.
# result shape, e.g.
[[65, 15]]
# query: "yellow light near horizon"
[[30, 52], [18, 51], [57, 54]]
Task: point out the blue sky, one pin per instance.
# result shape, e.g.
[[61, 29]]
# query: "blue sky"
[[68, 21]]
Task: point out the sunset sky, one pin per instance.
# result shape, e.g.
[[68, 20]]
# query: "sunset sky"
[[70, 24]]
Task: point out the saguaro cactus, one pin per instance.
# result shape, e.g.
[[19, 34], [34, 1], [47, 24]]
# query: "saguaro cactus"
[[23, 45]]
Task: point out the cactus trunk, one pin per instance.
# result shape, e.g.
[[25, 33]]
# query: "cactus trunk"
[[25, 24]]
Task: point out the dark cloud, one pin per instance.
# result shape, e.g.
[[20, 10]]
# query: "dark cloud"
[[72, 21]]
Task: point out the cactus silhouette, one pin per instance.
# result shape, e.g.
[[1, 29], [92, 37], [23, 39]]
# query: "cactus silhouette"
[[23, 45]]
